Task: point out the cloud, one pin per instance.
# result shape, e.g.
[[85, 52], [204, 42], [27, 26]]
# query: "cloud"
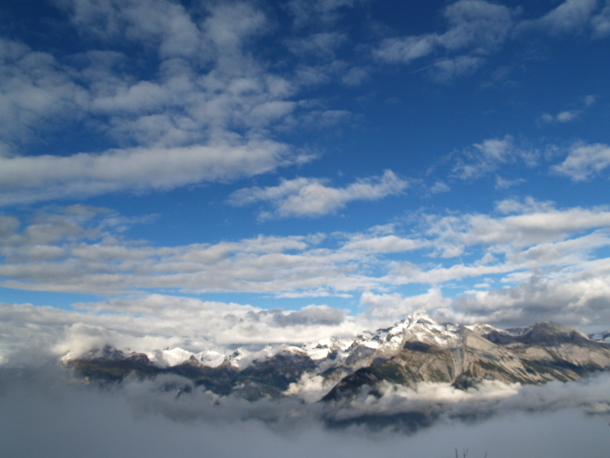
[[171, 29], [319, 12], [47, 177], [584, 162], [440, 187], [382, 244], [529, 222], [83, 249], [475, 28], [310, 197], [502, 183], [486, 157], [581, 298], [569, 115], [202, 113], [312, 314], [601, 22], [563, 116], [407, 49], [478, 26], [321, 45], [151, 323], [571, 16], [396, 306], [44, 414], [533, 237], [37, 92]]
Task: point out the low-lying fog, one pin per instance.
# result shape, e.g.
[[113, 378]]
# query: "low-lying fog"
[[43, 413]]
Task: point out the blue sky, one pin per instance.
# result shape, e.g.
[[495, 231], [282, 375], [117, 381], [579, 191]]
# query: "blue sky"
[[336, 160]]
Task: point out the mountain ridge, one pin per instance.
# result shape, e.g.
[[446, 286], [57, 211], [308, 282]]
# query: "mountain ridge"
[[415, 350]]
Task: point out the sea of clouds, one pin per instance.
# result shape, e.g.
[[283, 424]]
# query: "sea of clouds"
[[44, 412]]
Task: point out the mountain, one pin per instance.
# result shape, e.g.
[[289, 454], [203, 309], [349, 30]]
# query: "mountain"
[[413, 351]]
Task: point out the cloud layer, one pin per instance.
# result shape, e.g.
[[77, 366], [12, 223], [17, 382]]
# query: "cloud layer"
[[46, 415]]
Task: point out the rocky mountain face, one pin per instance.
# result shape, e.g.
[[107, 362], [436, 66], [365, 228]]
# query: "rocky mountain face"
[[415, 350]]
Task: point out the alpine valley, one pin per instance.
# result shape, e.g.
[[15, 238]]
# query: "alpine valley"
[[413, 355]]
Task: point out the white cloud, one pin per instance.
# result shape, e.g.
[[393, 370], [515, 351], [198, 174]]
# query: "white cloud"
[[569, 17], [581, 299], [487, 156], [202, 114], [321, 45], [475, 25], [396, 306], [601, 22], [407, 49], [383, 244], [570, 115], [32, 334], [324, 12], [81, 249], [439, 187], [84, 251], [502, 183], [43, 413], [36, 92], [34, 178], [310, 197], [537, 238], [584, 162], [476, 28], [535, 223], [444, 70], [164, 25], [478, 24]]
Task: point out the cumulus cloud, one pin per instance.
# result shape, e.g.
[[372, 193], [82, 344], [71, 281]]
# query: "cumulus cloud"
[[23, 179], [601, 22], [475, 25], [319, 12], [584, 161], [581, 298], [563, 116], [405, 49], [569, 115], [395, 305], [36, 92], [521, 224], [439, 187], [312, 314], [382, 244], [82, 249], [444, 70], [475, 29], [502, 183], [311, 197], [202, 114], [487, 156], [150, 323], [568, 17]]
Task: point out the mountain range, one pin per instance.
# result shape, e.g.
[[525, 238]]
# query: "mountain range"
[[415, 350]]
